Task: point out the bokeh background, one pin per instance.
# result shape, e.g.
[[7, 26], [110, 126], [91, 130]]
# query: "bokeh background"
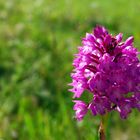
[[37, 41]]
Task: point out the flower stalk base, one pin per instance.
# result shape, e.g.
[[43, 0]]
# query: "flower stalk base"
[[101, 131], [103, 127]]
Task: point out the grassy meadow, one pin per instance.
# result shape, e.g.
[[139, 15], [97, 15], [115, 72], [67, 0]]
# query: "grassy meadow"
[[37, 41]]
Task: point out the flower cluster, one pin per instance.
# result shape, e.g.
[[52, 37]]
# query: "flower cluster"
[[110, 70]]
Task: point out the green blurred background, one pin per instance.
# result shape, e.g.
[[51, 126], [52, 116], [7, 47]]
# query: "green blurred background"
[[37, 41]]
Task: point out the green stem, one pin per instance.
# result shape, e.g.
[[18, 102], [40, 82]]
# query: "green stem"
[[102, 127]]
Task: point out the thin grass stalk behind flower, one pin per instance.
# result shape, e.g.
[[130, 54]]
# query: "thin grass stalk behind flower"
[[110, 70]]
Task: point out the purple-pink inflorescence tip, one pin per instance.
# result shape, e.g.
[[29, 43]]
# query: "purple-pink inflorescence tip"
[[110, 70]]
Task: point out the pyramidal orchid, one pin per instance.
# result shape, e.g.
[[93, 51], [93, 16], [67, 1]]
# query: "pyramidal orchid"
[[109, 69]]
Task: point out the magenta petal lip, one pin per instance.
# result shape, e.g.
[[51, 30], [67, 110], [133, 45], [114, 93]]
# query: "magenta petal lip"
[[109, 69], [80, 109]]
